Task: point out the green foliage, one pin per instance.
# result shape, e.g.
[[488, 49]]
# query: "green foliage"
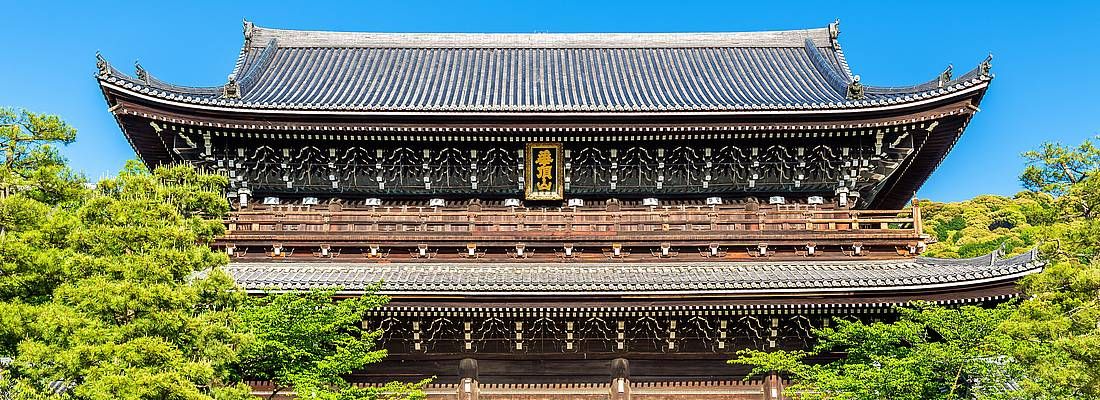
[[1055, 168], [97, 295], [981, 225], [929, 353], [1045, 347], [29, 161], [1057, 331], [1064, 172], [308, 341], [112, 291], [1057, 327]]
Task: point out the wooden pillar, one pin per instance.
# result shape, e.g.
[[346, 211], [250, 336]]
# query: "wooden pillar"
[[467, 384], [773, 387], [620, 379], [918, 226]]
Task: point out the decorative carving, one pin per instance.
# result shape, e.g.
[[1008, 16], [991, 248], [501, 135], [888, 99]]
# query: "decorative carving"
[[985, 68], [443, 335], [834, 32], [248, 28], [602, 169], [231, 89], [545, 336], [646, 334], [747, 333], [591, 168], [309, 167], [403, 168], [356, 168], [685, 167], [643, 332], [776, 164], [493, 336], [395, 334], [697, 334], [496, 169], [731, 167], [946, 76], [638, 168], [595, 335], [142, 75], [855, 89], [795, 332], [101, 64], [450, 168]]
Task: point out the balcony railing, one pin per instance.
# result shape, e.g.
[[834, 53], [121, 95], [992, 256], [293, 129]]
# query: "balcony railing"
[[476, 230]]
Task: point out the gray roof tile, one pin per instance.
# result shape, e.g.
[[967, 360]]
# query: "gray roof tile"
[[589, 278], [606, 72]]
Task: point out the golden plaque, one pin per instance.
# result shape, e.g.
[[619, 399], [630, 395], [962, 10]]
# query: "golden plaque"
[[543, 176]]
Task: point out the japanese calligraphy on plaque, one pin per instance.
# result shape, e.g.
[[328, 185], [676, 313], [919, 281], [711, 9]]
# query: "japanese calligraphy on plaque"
[[543, 180]]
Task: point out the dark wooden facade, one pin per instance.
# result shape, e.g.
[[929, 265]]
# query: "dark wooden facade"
[[574, 215]]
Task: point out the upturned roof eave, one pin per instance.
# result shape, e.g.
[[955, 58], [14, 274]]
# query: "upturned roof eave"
[[828, 85], [761, 292], [884, 276]]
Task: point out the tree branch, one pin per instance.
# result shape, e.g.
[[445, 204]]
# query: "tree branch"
[[1069, 174]]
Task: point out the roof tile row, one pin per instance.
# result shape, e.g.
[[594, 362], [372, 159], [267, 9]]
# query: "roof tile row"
[[587, 278], [303, 70]]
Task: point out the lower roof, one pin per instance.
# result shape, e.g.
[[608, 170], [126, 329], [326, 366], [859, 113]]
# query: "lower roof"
[[624, 279]]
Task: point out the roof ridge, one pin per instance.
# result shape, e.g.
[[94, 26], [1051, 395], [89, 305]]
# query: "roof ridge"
[[248, 26], [257, 36], [838, 53], [838, 80], [245, 76]]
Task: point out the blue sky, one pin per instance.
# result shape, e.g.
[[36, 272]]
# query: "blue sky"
[[1045, 55]]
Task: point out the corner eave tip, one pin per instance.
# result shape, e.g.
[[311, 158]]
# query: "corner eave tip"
[[985, 68], [101, 63]]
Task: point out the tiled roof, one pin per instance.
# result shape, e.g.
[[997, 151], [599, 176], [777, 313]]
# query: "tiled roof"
[[608, 72], [625, 278]]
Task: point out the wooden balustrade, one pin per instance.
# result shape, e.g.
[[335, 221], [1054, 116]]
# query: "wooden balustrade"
[[551, 227]]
